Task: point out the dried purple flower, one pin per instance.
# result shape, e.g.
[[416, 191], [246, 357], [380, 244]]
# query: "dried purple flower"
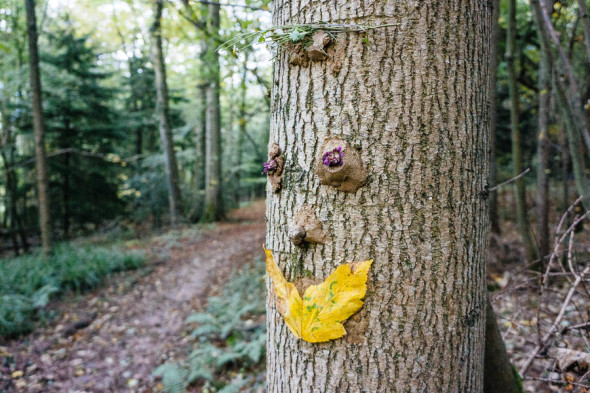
[[270, 167], [333, 158]]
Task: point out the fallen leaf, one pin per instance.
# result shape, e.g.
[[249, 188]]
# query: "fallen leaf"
[[17, 374], [318, 316], [566, 358]]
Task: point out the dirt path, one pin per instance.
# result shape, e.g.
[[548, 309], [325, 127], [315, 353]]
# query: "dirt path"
[[137, 322]]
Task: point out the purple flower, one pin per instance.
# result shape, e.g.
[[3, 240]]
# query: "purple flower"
[[333, 158], [270, 167]]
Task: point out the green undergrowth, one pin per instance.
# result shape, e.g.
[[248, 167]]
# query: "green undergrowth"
[[229, 346], [29, 282]]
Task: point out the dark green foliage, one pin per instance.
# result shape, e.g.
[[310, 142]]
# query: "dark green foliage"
[[231, 335], [80, 123], [27, 283]]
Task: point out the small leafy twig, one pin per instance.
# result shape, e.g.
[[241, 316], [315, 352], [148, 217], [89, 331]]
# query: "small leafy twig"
[[288, 35]]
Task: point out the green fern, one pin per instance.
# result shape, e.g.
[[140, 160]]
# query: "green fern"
[[173, 377], [227, 336]]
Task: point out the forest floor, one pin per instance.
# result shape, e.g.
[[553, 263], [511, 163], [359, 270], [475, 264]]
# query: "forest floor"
[[548, 325], [110, 340]]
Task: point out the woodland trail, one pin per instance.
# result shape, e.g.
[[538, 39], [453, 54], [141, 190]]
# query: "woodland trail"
[[136, 322]]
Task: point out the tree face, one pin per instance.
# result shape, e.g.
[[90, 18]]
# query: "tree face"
[[411, 100]]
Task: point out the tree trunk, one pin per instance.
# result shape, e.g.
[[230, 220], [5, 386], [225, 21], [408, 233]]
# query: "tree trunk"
[[213, 209], [543, 147], [66, 136], [565, 163], [494, 217], [499, 376], [66, 196], [412, 100], [521, 209], [7, 151], [39, 131], [11, 198], [575, 130], [174, 198], [583, 9], [200, 152], [568, 86], [241, 133]]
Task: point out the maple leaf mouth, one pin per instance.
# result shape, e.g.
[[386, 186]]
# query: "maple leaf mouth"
[[318, 315]]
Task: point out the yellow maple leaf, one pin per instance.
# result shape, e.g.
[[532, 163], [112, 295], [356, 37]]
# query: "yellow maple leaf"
[[319, 315], [289, 302]]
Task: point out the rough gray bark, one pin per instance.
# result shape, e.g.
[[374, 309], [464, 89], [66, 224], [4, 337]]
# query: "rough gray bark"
[[543, 147], [213, 209], [499, 375], [39, 131], [520, 188], [494, 217], [412, 99], [157, 55]]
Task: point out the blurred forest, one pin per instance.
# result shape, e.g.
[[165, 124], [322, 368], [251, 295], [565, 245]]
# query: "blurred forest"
[[106, 160], [142, 127]]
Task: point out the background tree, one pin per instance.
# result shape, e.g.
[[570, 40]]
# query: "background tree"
[[174, 198], [521, 208], [83, 128], [213, 209], [40, 154], [417, 131], [543, 153]]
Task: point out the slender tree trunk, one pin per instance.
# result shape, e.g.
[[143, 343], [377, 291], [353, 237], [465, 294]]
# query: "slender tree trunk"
[[200, 156], [39, 131], [174, 197], [11, 200], [230, 140], [586, 24], [568, 86], [543, 147], [521, 209], [575, 130], [565, 163], [66, 179], [494, 218], [411, 99], [213, 209], [66, 196], [7, 150], [241, 134]]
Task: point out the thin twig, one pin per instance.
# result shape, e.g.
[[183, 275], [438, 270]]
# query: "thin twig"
[[556, 382], [570, 256], [559, 241], [207, 2], [509, 181], [553, 329], [581, 326]]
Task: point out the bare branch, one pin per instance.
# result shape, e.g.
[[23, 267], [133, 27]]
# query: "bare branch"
[[543, 343], [509, 181]]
